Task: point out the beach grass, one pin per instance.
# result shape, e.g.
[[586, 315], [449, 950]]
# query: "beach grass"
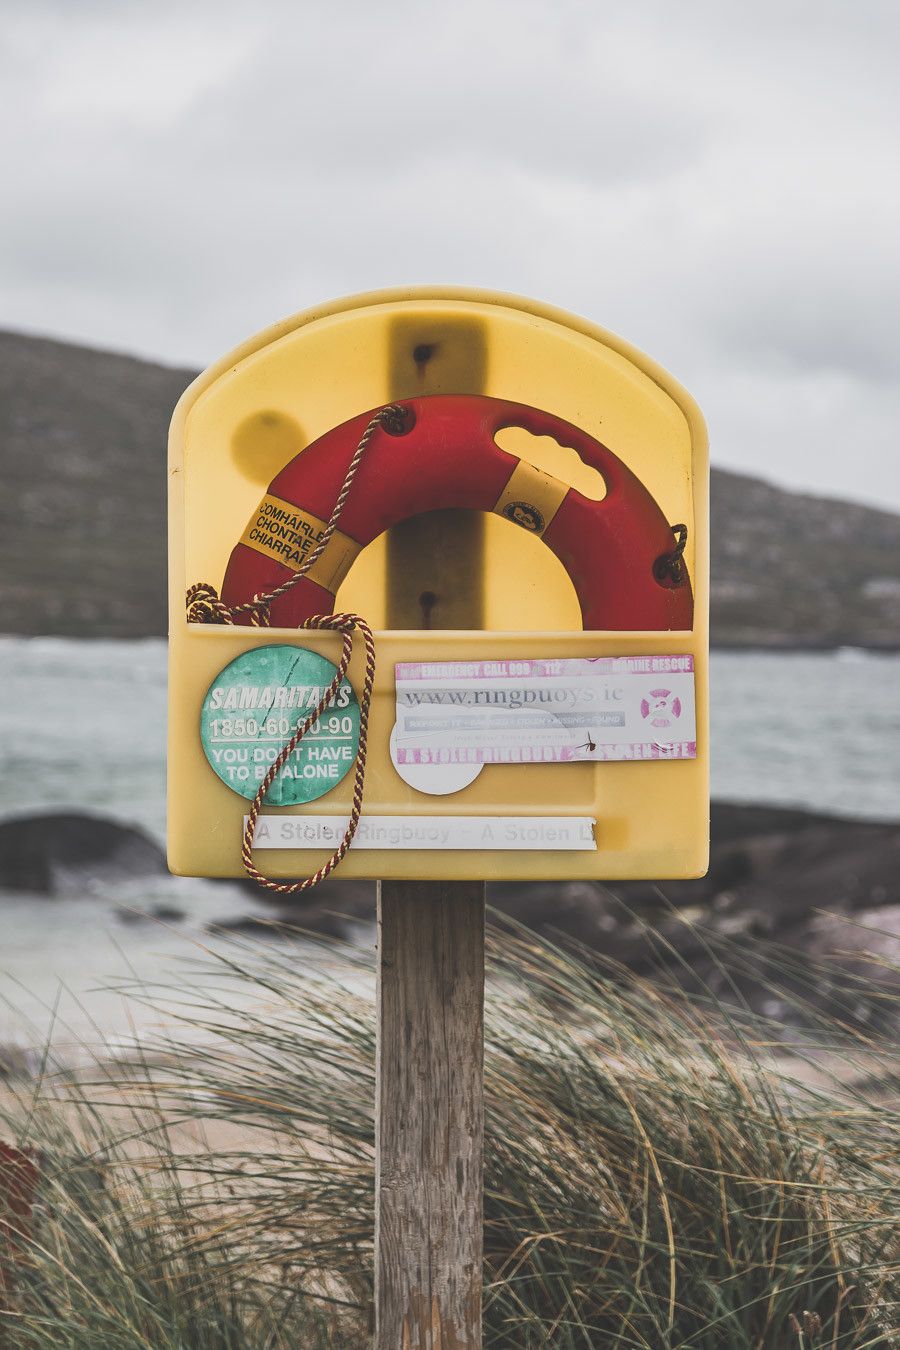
[[662, 1170]]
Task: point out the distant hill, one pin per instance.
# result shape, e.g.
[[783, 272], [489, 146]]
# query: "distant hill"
[[82, 519], [83, 511]]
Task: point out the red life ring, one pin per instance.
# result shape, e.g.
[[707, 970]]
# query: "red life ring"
[[447, 456]]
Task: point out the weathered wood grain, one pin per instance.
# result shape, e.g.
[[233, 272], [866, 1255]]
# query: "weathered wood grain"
[[429, 1115]]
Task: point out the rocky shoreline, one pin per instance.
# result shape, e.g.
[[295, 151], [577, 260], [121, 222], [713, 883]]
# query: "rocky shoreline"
[[806, 901]]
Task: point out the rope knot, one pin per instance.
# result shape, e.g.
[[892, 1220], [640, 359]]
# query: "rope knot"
[[670, 566], [397, 420], [204, 606]]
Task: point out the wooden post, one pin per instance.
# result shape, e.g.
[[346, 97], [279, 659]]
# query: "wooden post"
[[429, 1115]]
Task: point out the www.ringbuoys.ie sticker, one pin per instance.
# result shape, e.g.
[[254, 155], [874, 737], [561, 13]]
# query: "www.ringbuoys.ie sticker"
[[254, 706]]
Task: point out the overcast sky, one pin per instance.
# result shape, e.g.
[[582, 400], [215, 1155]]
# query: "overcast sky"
[[717, 181]]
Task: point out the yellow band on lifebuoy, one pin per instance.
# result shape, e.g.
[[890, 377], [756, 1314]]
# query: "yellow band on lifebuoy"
[[278, 529], [531, 498]]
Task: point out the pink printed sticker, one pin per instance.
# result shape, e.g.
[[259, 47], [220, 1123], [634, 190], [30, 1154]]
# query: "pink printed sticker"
[[544, 711]]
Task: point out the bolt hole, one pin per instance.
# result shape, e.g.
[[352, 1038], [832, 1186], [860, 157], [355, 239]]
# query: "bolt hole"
[[399, 423], [427, 601], [669, 569], [423, 353]]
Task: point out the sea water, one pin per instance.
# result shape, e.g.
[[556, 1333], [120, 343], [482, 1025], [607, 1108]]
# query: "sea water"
[[82, 728]]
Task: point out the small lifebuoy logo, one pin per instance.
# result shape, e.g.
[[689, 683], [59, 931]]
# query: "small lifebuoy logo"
[[524, 514], [660, 709]]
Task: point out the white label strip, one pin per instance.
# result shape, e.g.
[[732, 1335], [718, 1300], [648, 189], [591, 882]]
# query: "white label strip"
[[554, 833], [548, 711]]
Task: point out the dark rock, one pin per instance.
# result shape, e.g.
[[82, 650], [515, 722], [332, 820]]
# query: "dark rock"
[[167, 914], [768, 869], [773, 866], [859, 958], [334, 909], [781, 908], [66, 852], [18, 1061], [782, 904], [248, 925], [155, 914]]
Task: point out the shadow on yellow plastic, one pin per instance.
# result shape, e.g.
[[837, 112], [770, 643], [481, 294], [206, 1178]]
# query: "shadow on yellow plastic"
[[488, 590], [529, 583], [263, 443]]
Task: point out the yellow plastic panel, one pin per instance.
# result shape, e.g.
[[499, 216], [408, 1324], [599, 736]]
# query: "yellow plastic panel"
[[247, 416]]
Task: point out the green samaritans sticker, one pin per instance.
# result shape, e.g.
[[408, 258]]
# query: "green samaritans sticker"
[[254, 706]]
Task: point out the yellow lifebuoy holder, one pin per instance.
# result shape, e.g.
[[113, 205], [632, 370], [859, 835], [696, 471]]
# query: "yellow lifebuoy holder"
[[505, 741]]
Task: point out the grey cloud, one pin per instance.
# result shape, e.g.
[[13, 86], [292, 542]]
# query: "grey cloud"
[[714, 182]]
